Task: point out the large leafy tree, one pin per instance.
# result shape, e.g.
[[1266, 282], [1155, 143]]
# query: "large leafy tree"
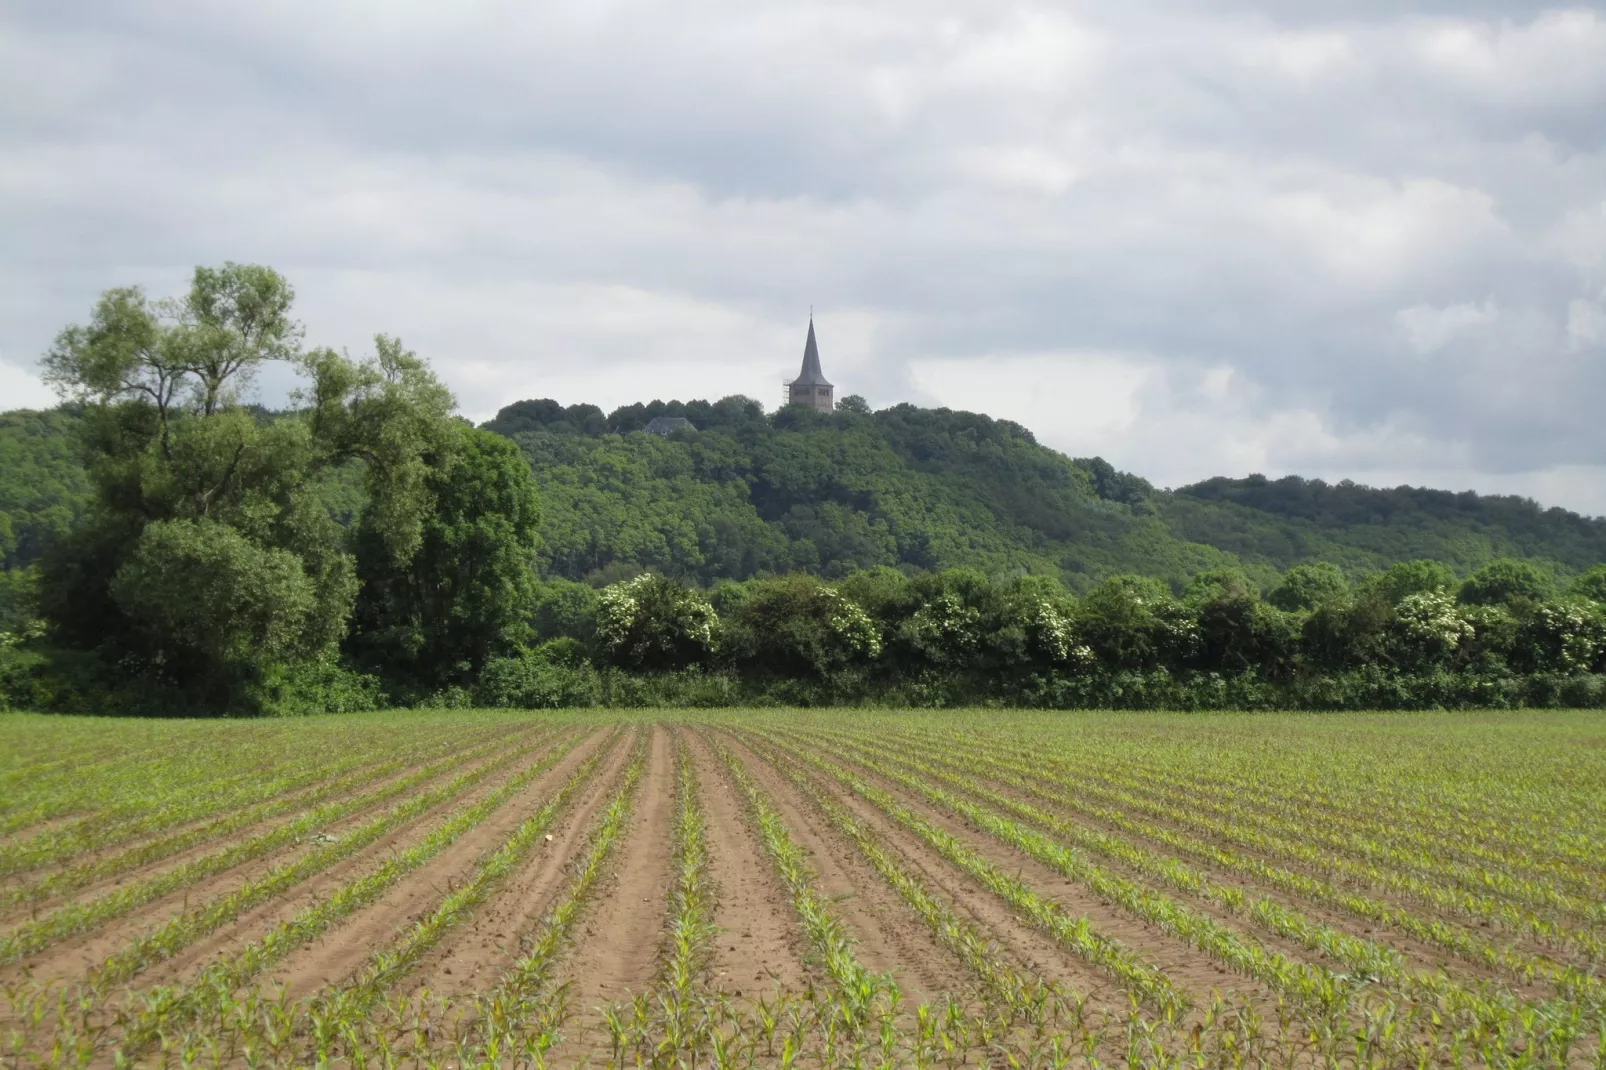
[[1133, 623], [1591, 585], [1308, 586], [438, 614], [209, 556], [1236, 630]]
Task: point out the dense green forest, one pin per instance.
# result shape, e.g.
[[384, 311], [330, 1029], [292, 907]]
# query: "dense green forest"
[[168, 548], [745, 494]]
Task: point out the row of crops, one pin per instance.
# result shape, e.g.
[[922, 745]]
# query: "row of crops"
[[839, 889]]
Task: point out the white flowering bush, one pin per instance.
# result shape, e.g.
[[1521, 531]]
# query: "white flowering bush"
[[15, 663], [945, 630], [1050, 630], [1432, 618], [1566, 637], [32, 630], [850, 626], [1053, 637], [1176, 630], [1135, 625], [654, 624], [798, 626]]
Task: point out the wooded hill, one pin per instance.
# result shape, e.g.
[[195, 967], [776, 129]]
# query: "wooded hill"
[[748, 494]]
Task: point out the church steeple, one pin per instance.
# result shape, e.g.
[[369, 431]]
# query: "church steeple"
[[811, 387]]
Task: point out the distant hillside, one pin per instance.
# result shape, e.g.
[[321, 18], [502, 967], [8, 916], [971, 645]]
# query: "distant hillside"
[[747, 493], [750, 493], [43, 486], [1287, 520]]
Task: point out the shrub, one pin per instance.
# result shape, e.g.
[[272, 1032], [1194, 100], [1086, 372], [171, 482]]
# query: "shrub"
[[555, 675], [654, 624]]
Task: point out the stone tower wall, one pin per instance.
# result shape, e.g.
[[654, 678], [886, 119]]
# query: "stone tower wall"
[[815, 397]]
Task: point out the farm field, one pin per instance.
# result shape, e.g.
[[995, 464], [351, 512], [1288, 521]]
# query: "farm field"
[[805, 888]]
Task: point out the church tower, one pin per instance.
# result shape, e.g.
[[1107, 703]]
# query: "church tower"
[[810, 387]]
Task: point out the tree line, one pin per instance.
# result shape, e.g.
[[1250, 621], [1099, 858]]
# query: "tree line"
[[1413, 635], [368, 546]]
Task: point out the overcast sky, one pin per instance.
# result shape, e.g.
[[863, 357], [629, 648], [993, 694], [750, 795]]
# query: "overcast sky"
[[1362, 239]]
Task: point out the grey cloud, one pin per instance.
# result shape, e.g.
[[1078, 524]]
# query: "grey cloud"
[[1262, 186]]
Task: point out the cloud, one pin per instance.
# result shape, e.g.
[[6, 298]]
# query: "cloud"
[[1586, 323], [1430, 329], [20, 388], [1258, 235]]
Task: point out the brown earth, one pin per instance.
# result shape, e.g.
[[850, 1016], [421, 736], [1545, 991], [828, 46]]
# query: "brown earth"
[[760, 946], [1189, 970], [890, 937], [343, 951], [1029, 949], [489, 940], [1419, 955], [618, 944]]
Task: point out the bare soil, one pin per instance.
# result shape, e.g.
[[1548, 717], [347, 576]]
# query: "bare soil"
[[761, 946], [342, 952], [620, 941], [890, 937]]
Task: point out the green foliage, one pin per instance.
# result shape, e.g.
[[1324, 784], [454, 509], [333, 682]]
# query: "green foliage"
[[919, 489], [830, 494], [1238, 633], [653, 624], [1287, 521], [1565, 637], [215, 560], [188, 550], [44, 489], [797, 626], [560, 607], [18, 665], [1504, 582], [206, 602], [1309, 586], [391, 414], [1427, 630], [1135, 624], [1591, 585], [1412, 577], [19, 598], [316, 685], [555, 675], [438, 614]]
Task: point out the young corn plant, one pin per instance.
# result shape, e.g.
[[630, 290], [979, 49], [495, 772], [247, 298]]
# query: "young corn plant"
[[354, 1000], [74, 918], [202, 1003], [1145, 980], [356, 774], [1362, 957]]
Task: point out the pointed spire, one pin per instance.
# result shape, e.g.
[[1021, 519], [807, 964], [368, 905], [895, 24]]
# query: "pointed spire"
[[811, 374]]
